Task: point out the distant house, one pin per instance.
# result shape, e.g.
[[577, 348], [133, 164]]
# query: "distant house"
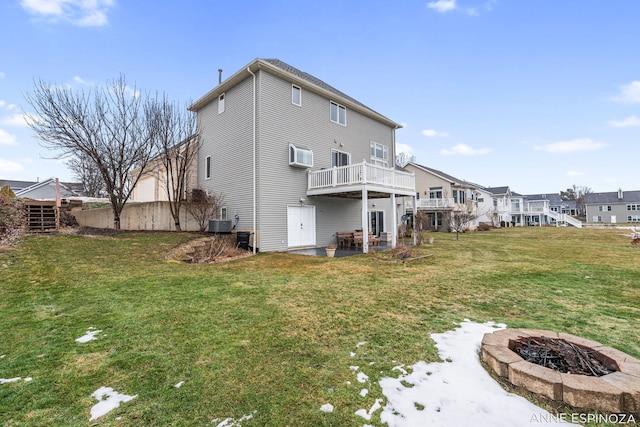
[[152, 185], [440, 195], [296, 159], [46, 190], [613, 207]]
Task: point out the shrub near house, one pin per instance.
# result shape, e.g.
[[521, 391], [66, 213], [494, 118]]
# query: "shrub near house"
[[12, 219]]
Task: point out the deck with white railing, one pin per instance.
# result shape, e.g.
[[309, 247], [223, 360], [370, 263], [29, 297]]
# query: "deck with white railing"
[[432, 204], [350, 178]]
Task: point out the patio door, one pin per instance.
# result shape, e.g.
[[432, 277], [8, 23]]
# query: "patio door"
[[376, 222], [301, 226]]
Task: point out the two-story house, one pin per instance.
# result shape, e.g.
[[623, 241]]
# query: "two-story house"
[[440, 195], [613, 207], [295, 159]]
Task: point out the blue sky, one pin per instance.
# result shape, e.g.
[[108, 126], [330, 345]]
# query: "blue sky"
[[537, 95]]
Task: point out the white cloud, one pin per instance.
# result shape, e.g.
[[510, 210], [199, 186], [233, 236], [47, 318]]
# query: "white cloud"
[[465, 150], [574, 173], [429, 133], [7, 139], [84, 13], [80, 80], [629, 121], [14, 120], [629, 93], [9, 166], [582, 144], [442, 6]]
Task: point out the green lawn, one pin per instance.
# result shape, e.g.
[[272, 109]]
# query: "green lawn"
[[271, 335]]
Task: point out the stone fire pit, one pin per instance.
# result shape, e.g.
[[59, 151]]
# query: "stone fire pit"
[[617, 392]]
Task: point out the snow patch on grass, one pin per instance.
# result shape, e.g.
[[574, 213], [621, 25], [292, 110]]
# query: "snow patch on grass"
[[89, 336], [108, 400]]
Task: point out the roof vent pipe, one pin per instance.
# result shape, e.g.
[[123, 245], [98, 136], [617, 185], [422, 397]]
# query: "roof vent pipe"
[[219, 75]]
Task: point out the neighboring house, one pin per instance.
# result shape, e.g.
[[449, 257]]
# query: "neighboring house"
[[440, 195], [511, 208], [152, 185], [46, 190], [296, 160], [613, 207], [16, 185]]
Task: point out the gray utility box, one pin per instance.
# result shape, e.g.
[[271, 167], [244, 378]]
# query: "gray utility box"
[[220, 226]]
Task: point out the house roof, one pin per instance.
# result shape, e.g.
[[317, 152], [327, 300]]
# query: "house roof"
[[497, 190], [612, 197], [66, 189], [445, 176], [16, 185], [290, 73]]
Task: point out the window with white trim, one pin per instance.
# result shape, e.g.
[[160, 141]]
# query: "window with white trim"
[[207, 167], [296, 95], [633, 218], [597, 218], [340, 158], [435, 193], [604, 208], [337, 113], [300, 156], [633, 207], [379, 154], [221, 103]]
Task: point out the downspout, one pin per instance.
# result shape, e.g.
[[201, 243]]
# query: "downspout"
[[255, 236]]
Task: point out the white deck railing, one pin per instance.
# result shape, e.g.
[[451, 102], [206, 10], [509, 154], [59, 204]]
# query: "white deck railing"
[[445, 204], [359, 174]]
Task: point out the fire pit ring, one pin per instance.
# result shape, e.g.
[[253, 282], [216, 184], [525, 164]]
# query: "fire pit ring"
[[617, 392]]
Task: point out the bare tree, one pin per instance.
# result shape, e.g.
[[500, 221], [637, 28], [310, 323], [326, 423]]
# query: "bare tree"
[[203, 206], [106, 125], [403, 158], [579, 194], [461, 218], [85, 171], [175, 133]]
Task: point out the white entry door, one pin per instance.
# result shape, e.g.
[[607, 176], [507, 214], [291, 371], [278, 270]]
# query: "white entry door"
[[301, 225], [613, 219]]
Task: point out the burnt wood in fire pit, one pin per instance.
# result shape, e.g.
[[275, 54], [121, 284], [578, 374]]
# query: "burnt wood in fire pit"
[[560, 355]]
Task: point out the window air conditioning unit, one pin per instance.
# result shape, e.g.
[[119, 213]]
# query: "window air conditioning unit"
[[220, 226]]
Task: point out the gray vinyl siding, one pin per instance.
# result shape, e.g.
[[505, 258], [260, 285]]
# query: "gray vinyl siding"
[[283, 123], [227, 138]]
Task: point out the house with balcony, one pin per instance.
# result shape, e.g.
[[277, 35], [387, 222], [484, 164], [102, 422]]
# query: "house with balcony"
[[296, 160], [517, 210], [439, 196]]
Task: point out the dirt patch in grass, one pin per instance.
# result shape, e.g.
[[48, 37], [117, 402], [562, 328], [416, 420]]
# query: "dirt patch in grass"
[[206, 250]]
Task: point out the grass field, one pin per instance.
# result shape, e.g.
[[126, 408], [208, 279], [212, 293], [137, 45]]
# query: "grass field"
[[271, 335]]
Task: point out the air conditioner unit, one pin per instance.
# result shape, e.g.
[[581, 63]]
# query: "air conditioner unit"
[[220, 226]]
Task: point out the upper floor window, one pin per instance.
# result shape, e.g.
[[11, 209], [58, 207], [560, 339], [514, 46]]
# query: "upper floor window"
[[604, 208], [379, 154], [633, 207], [299, 156], [338, 113], [435, 193], [207, 167], [221, 104], [296, 95]]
